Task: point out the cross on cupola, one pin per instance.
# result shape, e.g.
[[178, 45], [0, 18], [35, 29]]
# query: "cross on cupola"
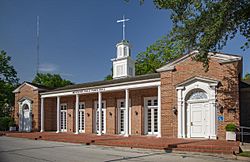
[[123, 21], [123, 64]]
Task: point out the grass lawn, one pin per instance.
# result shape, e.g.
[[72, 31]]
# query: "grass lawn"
[[246, 154]]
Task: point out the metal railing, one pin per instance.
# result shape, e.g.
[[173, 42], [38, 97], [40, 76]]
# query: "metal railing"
[[243, 131]]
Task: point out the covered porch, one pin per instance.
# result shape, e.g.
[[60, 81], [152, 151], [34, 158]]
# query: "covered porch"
[[127, 108]]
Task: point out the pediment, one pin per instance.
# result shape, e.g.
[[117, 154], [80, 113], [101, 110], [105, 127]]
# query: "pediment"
[[210, 81], [25, 98], [220, 57]]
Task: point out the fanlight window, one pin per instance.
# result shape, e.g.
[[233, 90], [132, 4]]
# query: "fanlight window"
[[197, 95], [25, 107]]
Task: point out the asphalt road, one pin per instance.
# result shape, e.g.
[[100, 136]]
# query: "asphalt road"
[[24, 150]]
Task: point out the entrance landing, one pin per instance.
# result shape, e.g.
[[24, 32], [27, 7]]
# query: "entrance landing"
[[146, 142]]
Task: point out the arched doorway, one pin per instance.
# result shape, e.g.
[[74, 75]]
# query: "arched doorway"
[[196, 101], [25, 118], [197, 114]]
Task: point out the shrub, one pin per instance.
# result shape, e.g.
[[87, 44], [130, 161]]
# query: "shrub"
[[12, 123], [4, 123], [231, 127]]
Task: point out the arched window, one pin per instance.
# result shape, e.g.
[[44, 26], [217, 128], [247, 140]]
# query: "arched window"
[[25, 107], [197, 95]]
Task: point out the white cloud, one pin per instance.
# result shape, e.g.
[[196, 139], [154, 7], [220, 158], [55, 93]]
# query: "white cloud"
[[47, 67]]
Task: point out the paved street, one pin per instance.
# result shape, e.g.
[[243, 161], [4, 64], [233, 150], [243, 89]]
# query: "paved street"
[[24, 150]]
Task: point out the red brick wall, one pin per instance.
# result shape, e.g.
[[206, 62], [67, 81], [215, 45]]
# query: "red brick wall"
[[137, 100], [50, 114], [227, 92], [28, 91]]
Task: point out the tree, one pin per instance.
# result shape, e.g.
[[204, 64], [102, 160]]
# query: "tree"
[[8, 82], [50, 80], [157, 55], [207, 25], [247, 76]]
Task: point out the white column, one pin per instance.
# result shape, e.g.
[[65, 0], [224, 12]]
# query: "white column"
[[58, 114], [100, 112], [159, 112], [77, 114], [127, 113], [184, 125], [180, 135], [42, 115]]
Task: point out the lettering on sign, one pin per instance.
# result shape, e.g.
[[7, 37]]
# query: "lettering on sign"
[[89, 91]]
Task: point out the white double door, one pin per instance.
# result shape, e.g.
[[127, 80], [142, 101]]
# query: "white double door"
[[122, 122], [103, 118], [63, 117], [81, 117], [199, 120], [151, 116]]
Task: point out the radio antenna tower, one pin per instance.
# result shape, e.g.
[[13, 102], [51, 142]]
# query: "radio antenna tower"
[[37, 43]]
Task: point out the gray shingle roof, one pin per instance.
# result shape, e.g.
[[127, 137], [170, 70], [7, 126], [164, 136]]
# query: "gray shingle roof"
[[109, 82]]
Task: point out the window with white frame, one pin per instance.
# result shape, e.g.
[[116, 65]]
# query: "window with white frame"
[[63, 117], [81, 119], [151, 115]]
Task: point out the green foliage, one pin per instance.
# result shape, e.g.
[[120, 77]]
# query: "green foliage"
[[108, 77], [51, 80], [12, 122], [157, 55], [231, 127], [207, 25], [4, 123], [245, 153], [7, 71], [247, 76], [8, 82]]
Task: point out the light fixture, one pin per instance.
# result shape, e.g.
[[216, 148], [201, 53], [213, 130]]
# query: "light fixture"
[[174, 110], [136, 113]]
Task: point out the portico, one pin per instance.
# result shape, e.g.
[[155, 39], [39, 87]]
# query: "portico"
[[118, 91]]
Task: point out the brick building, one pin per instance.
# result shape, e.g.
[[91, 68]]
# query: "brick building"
[[179, 100]]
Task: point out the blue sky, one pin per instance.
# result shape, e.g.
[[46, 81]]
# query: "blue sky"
[[78, 37]]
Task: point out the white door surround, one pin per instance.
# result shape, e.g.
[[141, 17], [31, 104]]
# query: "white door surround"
[[25, 115], [63, 117], [197, 108], [151, 116], [103, 118], [121, 114], [81, 119]]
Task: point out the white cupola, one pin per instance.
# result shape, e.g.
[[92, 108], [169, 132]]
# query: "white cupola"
[[123, 64]]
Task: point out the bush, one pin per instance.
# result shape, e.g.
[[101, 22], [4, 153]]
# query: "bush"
[[12, 123], [231, 127], [4, 123]]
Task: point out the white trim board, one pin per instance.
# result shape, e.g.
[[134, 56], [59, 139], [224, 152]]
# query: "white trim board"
[[102, 89]]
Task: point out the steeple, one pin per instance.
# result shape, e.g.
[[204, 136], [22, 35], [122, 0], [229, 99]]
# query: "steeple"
[[123, 64]]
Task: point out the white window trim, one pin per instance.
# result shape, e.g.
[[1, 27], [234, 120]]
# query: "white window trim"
[[64, 111], [146, 116], [118, 117], [83, 111], [104, 116]]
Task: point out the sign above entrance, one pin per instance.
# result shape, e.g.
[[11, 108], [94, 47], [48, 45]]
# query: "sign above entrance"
[[89, 91]]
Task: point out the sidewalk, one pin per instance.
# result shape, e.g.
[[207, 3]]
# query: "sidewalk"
[[147, 142]]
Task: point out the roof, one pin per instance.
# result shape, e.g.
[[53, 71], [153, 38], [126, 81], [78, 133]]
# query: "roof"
[[245, 84], [109, 82], [38, 87], [221, 57]]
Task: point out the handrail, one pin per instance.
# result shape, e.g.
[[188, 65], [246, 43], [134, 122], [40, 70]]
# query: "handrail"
[[242, 133]]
